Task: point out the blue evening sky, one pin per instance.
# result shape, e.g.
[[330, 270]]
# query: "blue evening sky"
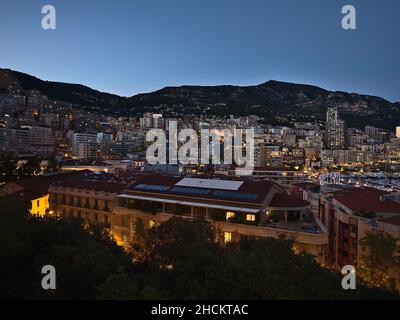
[[126, 47]]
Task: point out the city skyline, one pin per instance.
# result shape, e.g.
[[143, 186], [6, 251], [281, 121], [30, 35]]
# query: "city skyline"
[[150, 46], [169, 152]]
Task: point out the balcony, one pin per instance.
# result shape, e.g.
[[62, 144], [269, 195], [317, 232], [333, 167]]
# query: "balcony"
[[273, 232], [277, 231]]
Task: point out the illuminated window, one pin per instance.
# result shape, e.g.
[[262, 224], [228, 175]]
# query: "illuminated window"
[[229, 215], [152, 223], [227, 237], [250, 217]]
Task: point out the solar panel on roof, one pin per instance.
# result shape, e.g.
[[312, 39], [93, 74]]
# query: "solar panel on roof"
[[190, 190], [209, 183], [235, 195], [152, 187]]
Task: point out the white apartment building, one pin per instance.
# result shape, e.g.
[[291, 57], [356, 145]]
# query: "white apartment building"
[[84, 145]]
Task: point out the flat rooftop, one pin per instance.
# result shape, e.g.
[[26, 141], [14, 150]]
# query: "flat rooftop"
[[250, 192], [241, 195]]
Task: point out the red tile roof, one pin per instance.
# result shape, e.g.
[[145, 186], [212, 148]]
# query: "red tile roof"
[[367, 199], [37, 187], [392, 220], [86, 183], [306, 185], [283, 200]]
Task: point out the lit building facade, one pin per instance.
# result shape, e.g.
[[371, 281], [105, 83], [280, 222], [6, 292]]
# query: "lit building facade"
[[335, 130], [238, 209], [280, 175], [85, 146], [85, 198], [351, 213], [35, 191]]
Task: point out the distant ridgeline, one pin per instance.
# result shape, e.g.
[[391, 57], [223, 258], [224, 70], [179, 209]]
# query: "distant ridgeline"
[[279, 102]]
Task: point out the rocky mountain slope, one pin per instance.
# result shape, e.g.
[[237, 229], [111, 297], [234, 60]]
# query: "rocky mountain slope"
[[279, 102]]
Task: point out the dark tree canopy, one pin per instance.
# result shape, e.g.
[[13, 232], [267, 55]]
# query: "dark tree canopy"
[[179, 259], [84, 256], [380, 263]]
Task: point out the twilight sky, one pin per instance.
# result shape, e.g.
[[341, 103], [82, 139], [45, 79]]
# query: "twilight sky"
[[131, 46]]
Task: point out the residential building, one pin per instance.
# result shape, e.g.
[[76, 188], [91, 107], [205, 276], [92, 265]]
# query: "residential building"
[[238, 209], [349, 214], [88, 197], [38, 140], [151, 120], [280, 175], [335, 130], [85, 146], [7, 103], [35, 190]]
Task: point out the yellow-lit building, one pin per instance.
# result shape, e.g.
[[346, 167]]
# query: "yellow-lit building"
[[40, 206], [35, 191]]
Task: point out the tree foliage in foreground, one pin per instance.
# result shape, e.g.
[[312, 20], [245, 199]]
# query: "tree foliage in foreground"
[[184, 260], [178, 260], [380, 263], [84, 256]]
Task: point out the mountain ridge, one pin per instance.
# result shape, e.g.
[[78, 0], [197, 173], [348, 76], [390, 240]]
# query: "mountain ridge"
[[273, 99]]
